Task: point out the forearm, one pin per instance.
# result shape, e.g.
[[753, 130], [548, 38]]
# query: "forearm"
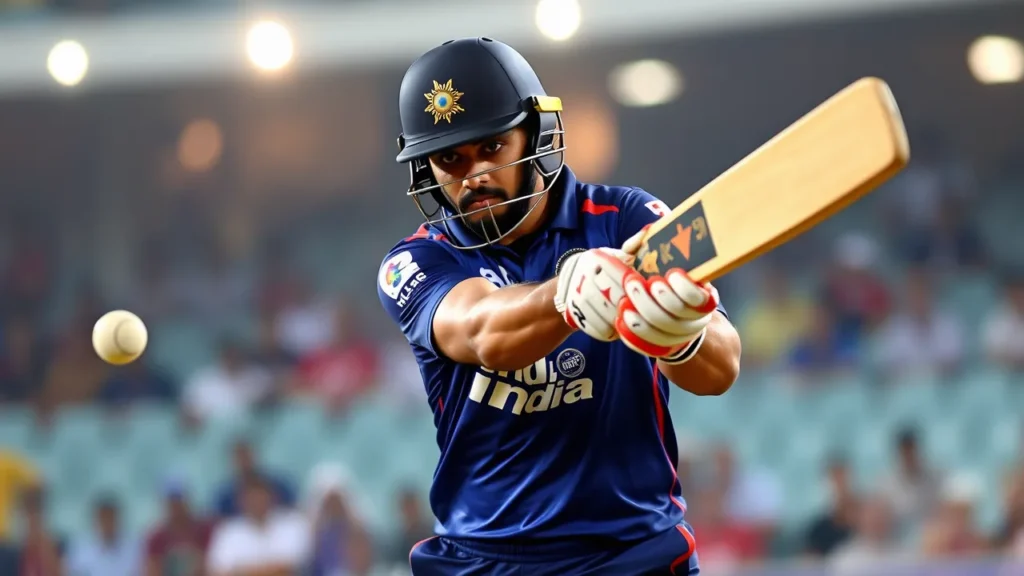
[[716, 365], [515, 326]]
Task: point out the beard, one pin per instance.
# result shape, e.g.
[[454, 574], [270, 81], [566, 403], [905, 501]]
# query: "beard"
[[491, 226]]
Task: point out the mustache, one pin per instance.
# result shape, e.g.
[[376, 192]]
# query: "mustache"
[[479, 194]]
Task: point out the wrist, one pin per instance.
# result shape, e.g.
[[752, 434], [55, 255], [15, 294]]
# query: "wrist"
[[686, 352]]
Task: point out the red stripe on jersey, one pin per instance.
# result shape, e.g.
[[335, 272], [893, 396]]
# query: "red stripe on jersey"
[[597, 209], [420, 232], [659, 411], [424, 232], [691, 545], [417, 545]]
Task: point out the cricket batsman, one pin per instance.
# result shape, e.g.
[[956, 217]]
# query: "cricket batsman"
[[547, 360]]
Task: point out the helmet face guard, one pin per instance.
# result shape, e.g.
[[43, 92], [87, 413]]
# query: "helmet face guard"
[[542, 157]]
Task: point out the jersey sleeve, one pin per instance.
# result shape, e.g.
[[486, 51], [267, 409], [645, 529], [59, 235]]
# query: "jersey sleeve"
[[638, 209], [411, 283]]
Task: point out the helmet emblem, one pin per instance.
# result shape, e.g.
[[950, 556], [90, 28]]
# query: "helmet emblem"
[[443, 101]]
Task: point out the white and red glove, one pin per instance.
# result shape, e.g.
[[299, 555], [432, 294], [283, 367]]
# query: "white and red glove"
[[589, 290], [663, 317]]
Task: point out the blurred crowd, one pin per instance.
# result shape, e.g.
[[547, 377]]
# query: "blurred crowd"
[[912, 512], [846, 316], [259, 523]]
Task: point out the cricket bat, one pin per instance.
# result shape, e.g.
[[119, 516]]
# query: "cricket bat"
[[820, 164]]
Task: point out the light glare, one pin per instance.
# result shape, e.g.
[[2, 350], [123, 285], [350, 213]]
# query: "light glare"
[[645, 83], [558, 19], [269, 45], [68, 62], [996, 60]]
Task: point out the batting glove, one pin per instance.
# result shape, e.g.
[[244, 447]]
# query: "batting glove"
[[589, 289], [664, 317]]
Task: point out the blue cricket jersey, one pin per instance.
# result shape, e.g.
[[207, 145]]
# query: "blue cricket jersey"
[[579, 444]]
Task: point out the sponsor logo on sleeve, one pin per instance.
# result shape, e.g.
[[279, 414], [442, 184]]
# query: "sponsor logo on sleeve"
[[399, 276]]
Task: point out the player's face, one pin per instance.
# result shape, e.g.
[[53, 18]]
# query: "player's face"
[[472, 193]]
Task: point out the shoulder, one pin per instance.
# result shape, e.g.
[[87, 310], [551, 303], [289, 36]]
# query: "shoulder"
[[608, 198], [632, 208], [424, 243]]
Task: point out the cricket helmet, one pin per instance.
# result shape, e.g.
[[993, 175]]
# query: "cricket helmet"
[[464, 91]]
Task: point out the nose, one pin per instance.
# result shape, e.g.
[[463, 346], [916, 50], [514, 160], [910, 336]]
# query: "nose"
[[474, 179]]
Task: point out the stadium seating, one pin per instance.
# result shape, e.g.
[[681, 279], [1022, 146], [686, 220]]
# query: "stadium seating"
[[967, 424]]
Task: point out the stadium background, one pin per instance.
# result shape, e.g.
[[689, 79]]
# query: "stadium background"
[[235, 186]]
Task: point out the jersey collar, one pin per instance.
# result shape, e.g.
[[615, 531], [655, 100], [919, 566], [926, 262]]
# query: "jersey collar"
[[563, 192]]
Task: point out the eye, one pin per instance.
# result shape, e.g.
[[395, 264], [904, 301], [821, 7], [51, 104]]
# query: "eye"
[[493, 146], [448, 158]]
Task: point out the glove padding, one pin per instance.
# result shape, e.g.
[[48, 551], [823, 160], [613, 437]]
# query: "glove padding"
[[589, 289], [663, 317]]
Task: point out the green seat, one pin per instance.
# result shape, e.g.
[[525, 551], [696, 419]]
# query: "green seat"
[[912, 401], [290, 439]]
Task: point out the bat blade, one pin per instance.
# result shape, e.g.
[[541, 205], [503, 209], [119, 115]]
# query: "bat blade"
[[835, 154]]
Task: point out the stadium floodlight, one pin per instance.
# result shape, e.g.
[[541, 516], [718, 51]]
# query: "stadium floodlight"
[[269, 45], [68, 62], [645, 83], [557, 19], [996, 60]]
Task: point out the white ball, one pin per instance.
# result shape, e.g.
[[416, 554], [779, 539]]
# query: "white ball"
[[119, 337]]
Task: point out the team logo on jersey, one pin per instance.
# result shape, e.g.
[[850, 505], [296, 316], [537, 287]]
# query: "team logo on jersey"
[[571, 362], [545, 385], [443, 101], [399, 276]]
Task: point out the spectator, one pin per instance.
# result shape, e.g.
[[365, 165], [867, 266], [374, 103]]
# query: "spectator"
[[950, 531], [341, 543], [111, 551], [271, 355], [752, 497], [777, 320], [305, 324], [342, 371], [246, 468], [136, 382], [953, 244], [29, 275], [1013, 510], [152, 298], [725, 542], [17, 475], [920, 339], [23, 361], [858, 297], [414, 526], [41, 552], [690, 470], [214, 292], [874, 548], [265, 539], [1002, 333], [177, 547], [835, 526], [400, 377], [229, 387], [912, 488], [825, 350], [75, 374], [937, 175]]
